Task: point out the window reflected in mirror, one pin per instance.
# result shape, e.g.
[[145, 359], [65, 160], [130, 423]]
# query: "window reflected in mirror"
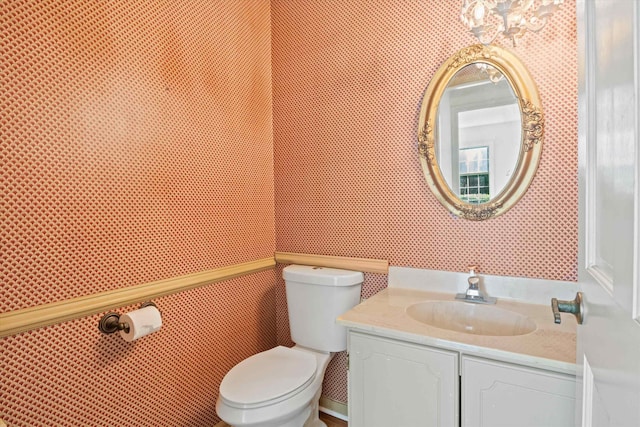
[[474, 175]]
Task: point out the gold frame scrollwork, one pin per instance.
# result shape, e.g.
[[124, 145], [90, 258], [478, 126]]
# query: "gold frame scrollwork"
[[425, 143], [531, 142]]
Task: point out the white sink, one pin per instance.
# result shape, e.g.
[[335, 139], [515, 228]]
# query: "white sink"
[[471, 318]]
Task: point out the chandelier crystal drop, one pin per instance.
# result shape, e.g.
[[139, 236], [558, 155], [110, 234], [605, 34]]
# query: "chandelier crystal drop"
[[488, 18]]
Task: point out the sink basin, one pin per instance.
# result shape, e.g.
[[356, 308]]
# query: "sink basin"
[[471, 318]]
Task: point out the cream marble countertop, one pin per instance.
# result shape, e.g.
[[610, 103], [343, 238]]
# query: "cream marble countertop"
[[550, 346]]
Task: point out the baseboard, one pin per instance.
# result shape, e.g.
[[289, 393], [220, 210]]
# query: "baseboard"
[[334, 408]]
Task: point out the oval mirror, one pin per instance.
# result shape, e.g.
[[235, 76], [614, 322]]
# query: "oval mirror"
[[480, 132]]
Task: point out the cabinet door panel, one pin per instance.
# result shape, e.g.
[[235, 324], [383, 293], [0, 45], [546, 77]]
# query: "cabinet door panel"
[[497, 394], [392, 383]]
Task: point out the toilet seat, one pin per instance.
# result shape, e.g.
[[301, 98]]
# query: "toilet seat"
[[268, 378]]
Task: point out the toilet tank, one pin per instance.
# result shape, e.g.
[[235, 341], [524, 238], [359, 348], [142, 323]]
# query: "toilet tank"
[[315, 297]]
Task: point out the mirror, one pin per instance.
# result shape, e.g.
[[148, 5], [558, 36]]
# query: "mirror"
[[480, 132]]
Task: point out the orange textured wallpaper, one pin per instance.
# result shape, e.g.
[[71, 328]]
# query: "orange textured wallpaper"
[[136, 145], [348, 80]]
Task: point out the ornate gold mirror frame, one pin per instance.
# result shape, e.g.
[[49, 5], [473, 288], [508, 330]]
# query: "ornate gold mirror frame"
[[532, 121]]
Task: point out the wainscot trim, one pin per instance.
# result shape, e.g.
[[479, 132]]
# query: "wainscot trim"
[[380, 266], [17, 321]]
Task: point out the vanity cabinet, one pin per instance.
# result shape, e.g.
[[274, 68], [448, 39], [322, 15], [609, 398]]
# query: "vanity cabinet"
[[496, 394], [397, 383], [394, 383]]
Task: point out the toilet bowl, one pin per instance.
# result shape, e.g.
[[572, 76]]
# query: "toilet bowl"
[[281, 387], [276, 388]]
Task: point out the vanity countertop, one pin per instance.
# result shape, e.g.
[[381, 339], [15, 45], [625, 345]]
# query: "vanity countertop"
[[550, 346]]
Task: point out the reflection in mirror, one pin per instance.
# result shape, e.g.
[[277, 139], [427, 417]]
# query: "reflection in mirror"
[[478, 142]]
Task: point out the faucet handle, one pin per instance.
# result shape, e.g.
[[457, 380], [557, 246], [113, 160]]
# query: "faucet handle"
[[472, 269]]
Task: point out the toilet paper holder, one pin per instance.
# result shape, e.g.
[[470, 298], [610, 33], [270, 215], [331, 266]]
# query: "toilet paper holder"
[[110, 322]]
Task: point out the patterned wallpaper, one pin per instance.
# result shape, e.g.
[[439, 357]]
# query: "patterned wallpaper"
[[136, 143], [348, 80], [72, 375], [136, 146]]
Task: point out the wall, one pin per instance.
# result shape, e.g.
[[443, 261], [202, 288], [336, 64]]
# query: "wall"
[[136, 146], [348, 82]]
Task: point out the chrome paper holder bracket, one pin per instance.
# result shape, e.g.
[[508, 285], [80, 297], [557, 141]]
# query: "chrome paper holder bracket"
[[574, 307], [110, 322]]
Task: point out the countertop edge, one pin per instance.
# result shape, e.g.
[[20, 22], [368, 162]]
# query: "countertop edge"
[[535, 362]]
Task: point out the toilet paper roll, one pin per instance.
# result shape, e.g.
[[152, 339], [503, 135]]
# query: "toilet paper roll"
[[141, 322]]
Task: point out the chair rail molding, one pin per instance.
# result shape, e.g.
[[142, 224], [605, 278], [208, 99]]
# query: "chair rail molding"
[[367, 265], [17, 321]]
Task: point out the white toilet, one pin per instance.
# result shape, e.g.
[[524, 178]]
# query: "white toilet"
[[281, 387]]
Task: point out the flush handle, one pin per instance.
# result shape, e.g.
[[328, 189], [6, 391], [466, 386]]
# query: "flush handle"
[[574, 307]]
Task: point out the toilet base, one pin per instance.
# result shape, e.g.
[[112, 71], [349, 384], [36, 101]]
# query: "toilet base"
[[313, 419]]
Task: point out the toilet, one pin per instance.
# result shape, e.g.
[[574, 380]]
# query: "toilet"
[[281, 387]]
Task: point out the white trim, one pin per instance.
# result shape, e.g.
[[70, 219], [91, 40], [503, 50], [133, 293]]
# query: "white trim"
[[599, 272], [602, 277], [587, 394], [334, 408], [334, 414], [635, 310]]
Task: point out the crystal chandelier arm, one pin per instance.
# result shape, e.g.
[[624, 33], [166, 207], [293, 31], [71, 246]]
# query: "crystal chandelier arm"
[[486, 18], [477, 16], [484, 33], [535, 24], [541, 15]]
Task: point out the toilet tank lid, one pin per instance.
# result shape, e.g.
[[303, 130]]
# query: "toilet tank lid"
[[322, 275]]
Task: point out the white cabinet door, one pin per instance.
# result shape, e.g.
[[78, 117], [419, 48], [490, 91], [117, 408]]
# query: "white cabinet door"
[[393, 383], [496, 394], [609, 212]]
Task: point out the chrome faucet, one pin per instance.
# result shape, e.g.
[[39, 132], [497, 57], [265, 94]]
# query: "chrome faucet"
[[473, 293]]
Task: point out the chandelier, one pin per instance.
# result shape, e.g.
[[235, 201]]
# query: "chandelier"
[[487, 18]]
